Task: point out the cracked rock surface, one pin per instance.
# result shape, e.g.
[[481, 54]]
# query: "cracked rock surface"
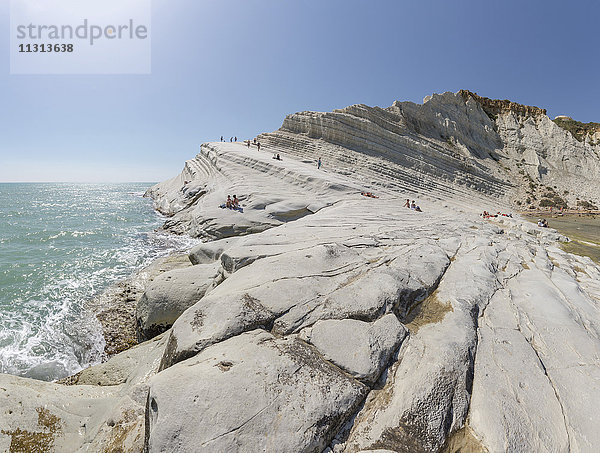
[[253, 392]]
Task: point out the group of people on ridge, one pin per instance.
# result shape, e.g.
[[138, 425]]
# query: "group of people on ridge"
[[232, 203], [487, 215], [234, 140], [412, 205], [255, 142]]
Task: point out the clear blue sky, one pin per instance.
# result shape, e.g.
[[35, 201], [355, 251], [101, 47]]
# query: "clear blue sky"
[[223, 67]]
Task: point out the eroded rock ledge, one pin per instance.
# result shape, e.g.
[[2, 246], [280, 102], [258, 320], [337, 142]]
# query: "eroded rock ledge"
[[494, 107]]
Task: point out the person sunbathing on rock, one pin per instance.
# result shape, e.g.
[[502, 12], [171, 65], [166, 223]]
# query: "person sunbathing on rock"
[[407, 204], [235, 204], [369, 194], [229, 202], [413, 205]]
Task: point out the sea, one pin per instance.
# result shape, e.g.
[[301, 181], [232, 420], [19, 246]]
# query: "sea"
[[60, 246], [583, 232]]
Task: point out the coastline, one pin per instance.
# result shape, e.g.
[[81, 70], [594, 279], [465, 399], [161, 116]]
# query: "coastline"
[[336, 322], [583, 232], [558, 214], [115, 308]]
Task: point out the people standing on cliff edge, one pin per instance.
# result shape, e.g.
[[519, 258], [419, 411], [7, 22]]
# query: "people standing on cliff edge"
[[258, 145], [221, 138], [235, 139], [319, 163]]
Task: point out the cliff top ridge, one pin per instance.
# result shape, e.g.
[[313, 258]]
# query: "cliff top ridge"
[[493, 107]]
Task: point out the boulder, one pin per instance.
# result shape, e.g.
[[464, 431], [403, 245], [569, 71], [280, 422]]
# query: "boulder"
[[215, 318], [131, 366], [209, 252], [253, 392], [169, 295], [360, 348]]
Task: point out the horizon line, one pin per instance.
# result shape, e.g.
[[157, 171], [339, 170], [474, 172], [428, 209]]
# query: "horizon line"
[[79, 182]]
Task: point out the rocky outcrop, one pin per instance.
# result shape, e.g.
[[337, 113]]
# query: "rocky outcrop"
[[317, 319], [448, 147], [264, 192], [495, 107], [404, 147], [116, 307], [351, 278], [584, 132], [426, 396], [527, 338], [457, 147], [294, 284], [357, 347], [104, 412], [170, 294], [253, 392]]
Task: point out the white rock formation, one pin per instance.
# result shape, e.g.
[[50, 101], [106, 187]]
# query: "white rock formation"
[[170, 294], [253, 392], [360, 348], [319, 319], [106, 412], [427, 394], [446, 147]]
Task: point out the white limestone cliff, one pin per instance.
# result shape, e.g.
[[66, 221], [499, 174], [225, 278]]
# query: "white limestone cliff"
[[322, 320]]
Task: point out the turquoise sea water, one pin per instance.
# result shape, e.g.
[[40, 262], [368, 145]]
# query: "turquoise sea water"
[[60, 245]]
